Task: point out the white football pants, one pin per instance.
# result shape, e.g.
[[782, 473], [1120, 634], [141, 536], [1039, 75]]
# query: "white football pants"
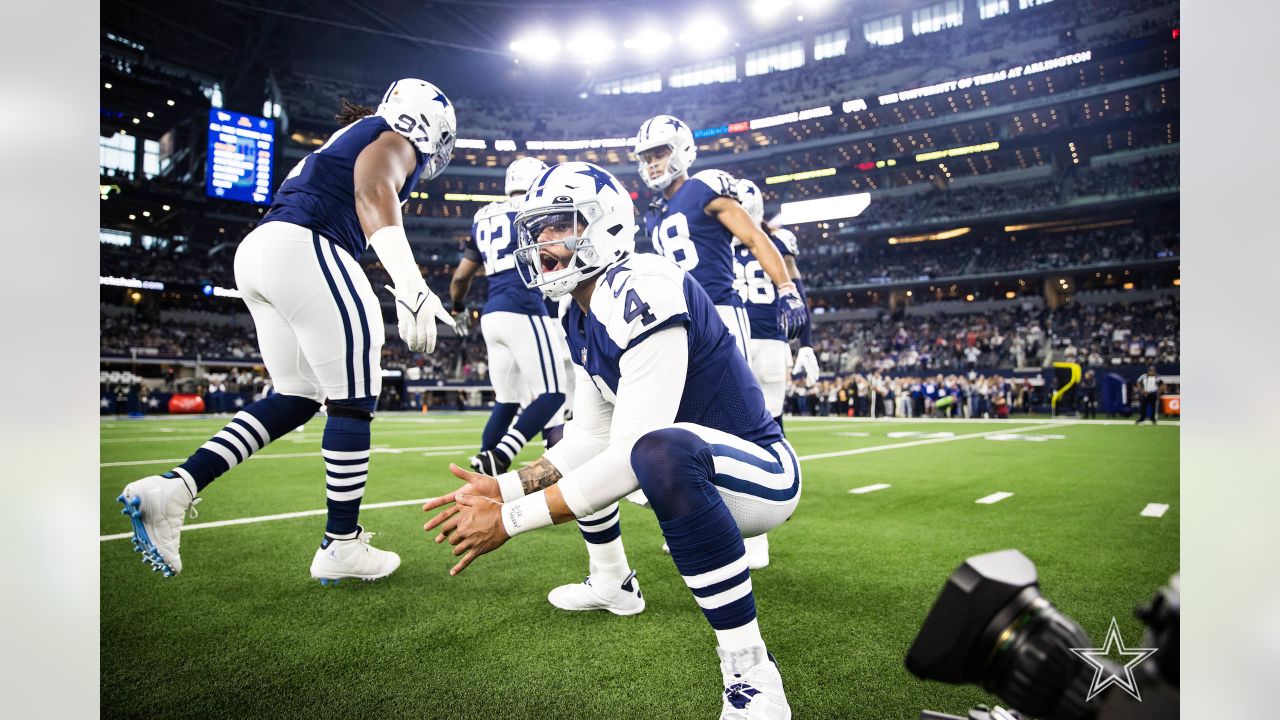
[[739, 326], [526, 359], [770, 360], [319, 325]]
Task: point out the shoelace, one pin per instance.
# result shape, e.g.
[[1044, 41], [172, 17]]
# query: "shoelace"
[[191, 509], [365, 536], [739, 695]]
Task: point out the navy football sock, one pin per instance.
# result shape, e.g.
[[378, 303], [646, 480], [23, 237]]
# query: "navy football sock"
[[249, 431], [345, 447], [499, 421]]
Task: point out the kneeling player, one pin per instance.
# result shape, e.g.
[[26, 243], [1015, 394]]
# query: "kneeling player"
[[665, 403]]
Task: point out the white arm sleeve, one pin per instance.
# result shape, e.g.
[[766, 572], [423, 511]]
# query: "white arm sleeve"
[[587, 435], [649, 392], [392, 247]]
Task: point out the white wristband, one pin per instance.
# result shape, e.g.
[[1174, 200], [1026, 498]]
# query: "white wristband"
[[528, 513], [511, 487], [787, 287]]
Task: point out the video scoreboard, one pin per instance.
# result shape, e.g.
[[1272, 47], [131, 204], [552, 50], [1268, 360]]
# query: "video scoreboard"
[[241, 152]]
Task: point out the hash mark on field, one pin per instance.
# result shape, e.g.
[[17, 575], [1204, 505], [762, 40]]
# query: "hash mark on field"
[[869, 488], [993, 498], [1154, 510]]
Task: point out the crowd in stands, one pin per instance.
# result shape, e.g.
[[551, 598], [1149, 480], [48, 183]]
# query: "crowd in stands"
[[826, 265], [969, 395], [1021, 335]]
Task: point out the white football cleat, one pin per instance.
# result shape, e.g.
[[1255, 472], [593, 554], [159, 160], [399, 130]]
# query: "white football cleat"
[[624, 598], [757, 551], [156, 507], [639, 498], [354, 558], [752, 686]]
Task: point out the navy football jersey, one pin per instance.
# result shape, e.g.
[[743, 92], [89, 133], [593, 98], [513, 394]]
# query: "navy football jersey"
[[319, 193], [492, 244], [694, 240], [644, 294], [758, 293]]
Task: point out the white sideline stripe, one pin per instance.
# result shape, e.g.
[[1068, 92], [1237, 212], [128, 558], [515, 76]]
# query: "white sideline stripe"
[[853, 434], [1154, 510], [265, 518], [993, 498], [269, 456], [400, 503], [913, 443], [869, 488]]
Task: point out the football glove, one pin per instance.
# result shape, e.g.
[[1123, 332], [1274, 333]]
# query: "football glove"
[[462, 322], [806, 362], [416, 312], [792, 314]]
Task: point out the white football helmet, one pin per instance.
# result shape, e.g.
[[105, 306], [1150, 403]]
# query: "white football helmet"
[[749, 196], [674, 133], [788, 240], [419, 111], [522, 173], [593, 216]]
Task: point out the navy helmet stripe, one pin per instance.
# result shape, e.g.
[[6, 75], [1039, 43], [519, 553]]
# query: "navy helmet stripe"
[[387, 96], [342, 310], [364, 321]]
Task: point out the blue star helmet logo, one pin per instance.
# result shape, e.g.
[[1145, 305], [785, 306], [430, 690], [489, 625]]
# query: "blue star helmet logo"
[[751, 190], [601, 178], [675, 123], [440, 98]]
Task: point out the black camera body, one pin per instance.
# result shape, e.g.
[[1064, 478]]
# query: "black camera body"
[[990, 626]]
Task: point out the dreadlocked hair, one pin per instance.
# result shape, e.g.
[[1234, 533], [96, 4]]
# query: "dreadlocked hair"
[[350, 112]]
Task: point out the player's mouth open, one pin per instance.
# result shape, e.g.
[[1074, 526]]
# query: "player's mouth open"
[[550, 263]]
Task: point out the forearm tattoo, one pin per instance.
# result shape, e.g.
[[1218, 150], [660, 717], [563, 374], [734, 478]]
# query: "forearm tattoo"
[[538, 475]]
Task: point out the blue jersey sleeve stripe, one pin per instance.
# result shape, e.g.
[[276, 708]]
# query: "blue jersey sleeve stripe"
[[678, 319]]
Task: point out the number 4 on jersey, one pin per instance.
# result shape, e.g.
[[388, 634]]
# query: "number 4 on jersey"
[[637, 308]]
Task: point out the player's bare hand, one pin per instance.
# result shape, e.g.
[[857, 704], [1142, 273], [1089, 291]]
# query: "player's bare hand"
[[474, 483], [475, 529]]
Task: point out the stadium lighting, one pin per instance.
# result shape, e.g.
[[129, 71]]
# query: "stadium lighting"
[[766, 11], [540, 46], [649, 41], [591, 46], [704, 32], [829, 208]]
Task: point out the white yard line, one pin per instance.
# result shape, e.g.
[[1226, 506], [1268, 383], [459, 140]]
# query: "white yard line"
[[928, 441], [277, 456], [308, 513], [993, 498], [869, 488], [1154, 510]]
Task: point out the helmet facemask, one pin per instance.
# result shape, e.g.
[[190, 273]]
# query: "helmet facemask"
[[675, 167], [558, 264]]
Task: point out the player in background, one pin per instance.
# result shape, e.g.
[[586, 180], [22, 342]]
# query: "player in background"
[[694, 220], [526, 364], [770, 354], [665, 402], [319, 324]]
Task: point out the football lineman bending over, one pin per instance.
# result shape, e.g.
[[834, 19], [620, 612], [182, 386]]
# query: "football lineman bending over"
[[526, 358], [319, 324], [665, 402]]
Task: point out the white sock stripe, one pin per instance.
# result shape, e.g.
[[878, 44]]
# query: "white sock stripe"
[[344, 495], [600, 514], [507, 449], [602, 526], [360, 468], [185, 476], [264, 437], [721, 599], [248, 437], [720, 574], [345, 482], [234, 439], [518, 436], [222, 451], [344, 454]]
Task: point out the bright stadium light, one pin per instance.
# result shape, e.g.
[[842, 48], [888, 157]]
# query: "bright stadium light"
[[649, 41], [766, 11], [829, 208], [591, 46], [539, 47], [704, 32]]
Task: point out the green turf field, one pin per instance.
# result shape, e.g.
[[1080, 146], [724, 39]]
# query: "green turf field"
[[245, 632]]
